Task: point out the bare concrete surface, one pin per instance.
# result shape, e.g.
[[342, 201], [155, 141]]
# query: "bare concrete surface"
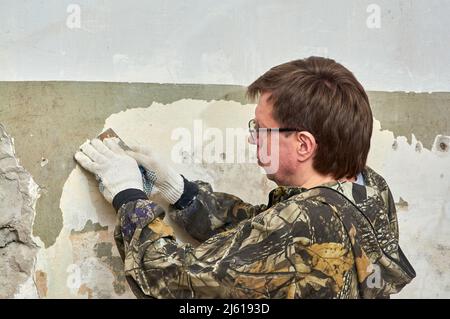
[[18, 195], [425, 115]]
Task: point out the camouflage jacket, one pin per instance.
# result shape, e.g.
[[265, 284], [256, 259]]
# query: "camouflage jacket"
[[303, 244]]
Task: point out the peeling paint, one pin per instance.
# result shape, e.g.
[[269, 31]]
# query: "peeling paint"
[[422, 114], [137, 126], [418, 179], [41, 283], [401, 204], [92, 267], [441, 144], [83, 107], [104, 252], [90, 227], [76, 224], [85, 290]]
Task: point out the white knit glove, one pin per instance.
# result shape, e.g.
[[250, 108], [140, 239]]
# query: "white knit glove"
[[112, 166], [169, 183]]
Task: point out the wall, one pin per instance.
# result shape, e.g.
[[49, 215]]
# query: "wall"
[[232, 42], [67, 238]]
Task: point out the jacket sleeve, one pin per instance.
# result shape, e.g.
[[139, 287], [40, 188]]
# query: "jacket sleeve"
[[203, 213], [260, 258]]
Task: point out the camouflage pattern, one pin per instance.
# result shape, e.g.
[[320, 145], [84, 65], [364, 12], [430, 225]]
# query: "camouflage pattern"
[[303, 244]]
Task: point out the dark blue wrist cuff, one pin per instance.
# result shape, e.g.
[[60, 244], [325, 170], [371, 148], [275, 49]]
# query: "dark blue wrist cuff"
[[127, 196], [190, 191]]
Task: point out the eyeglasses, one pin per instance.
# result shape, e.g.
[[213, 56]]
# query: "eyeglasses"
[[254, 129]]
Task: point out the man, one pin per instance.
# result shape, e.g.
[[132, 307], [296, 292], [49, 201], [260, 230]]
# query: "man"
[[328, 231]]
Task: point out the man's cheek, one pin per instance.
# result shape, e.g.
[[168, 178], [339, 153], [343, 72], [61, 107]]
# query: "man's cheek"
[[268, 154], [263, 152]]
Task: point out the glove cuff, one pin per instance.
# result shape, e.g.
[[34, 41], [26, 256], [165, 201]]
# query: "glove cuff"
[[127, 195], [172, 188]]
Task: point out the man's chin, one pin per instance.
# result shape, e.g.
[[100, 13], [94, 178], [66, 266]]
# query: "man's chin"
[[265, 167]]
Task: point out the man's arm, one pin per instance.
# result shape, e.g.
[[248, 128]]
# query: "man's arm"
[[192, 205], [276, 254], [260, 258], [203, 213]]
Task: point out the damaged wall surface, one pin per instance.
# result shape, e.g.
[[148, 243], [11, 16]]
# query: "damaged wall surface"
[[55, 227], [18, 195], [74, 224]]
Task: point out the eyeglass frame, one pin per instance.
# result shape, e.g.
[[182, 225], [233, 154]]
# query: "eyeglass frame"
[[267, 129]]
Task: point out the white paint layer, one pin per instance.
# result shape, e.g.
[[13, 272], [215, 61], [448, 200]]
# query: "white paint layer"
[[399, 45]]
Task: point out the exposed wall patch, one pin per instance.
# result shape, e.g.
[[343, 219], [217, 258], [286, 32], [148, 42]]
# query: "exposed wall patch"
[[18, 196], [441, 144], [422, 114], [417, 206], [419, 175]]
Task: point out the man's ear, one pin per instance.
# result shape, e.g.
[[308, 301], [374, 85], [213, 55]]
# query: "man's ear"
[[306, 145]]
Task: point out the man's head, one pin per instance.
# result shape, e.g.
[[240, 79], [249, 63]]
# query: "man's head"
[[330, 111]]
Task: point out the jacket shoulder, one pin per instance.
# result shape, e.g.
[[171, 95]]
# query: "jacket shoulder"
[[308, 218]]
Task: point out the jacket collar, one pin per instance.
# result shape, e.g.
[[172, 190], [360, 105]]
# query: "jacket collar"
[[282, 193]]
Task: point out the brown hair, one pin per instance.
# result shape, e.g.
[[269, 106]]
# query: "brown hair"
[[322, 97]]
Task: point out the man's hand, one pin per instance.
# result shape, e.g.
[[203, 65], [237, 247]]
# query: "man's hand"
[[169, 183], [108, 161]]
